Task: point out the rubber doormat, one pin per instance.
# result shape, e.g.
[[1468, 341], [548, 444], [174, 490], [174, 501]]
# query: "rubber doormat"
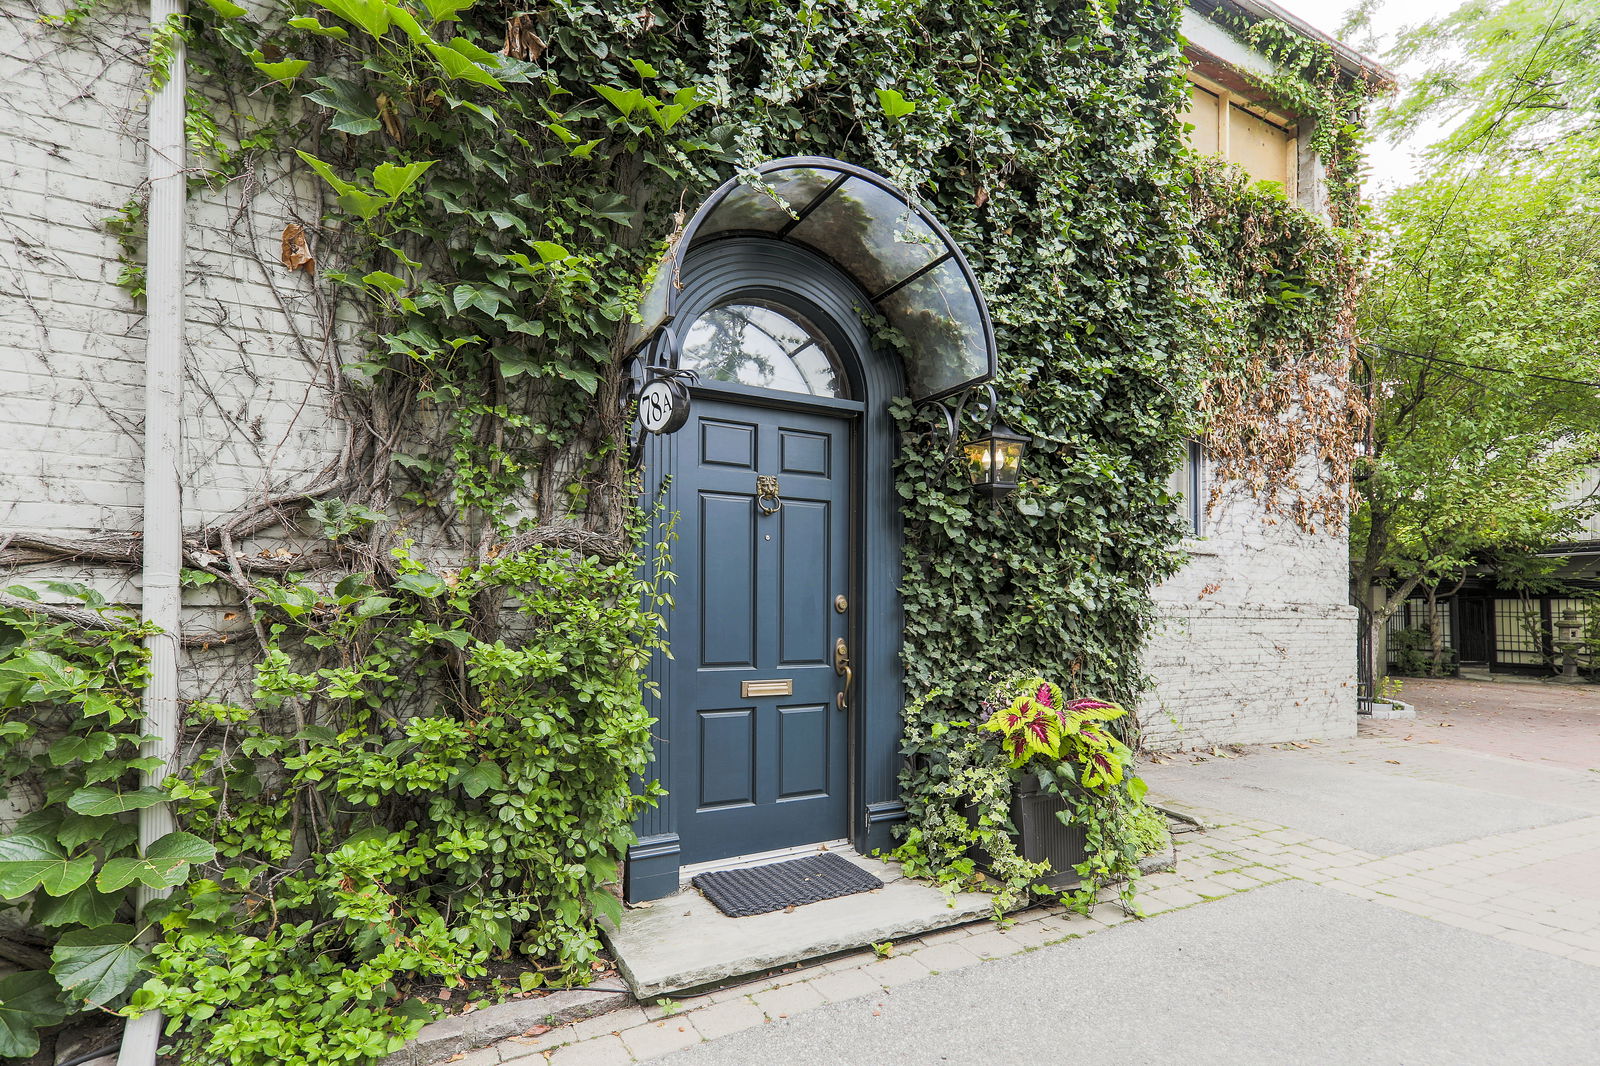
[[791, 883]]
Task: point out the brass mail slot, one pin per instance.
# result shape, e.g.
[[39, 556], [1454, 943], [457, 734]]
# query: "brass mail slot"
[[781, 686]]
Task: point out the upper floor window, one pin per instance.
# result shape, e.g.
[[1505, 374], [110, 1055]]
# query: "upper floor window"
[[1188, 489], [1260, 141]]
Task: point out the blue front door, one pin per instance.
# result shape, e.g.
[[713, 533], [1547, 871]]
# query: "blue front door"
[[756, 739]]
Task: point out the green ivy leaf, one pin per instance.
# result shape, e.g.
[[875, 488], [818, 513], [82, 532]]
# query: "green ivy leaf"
[[306, 22], [612, 206], [96, 800], [894, 105], [31, 860], [285, 71], [164, 864], [624, 100], [226, 8], [481, 778], [76, 830], [97, 965], [461, 68], [85, 906], [380, 279], [549, 251], [683, 102], [72, 748], [370, 15], [29, 1001], [423, 584], [394, 180], [353, 198], [587, 380], [446, 10], [355, 111], [471, 51], [645, 69], [45, 675]]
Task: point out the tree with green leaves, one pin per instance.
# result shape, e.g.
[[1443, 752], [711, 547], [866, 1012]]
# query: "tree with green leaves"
[[1519, 77], [1482, 331]]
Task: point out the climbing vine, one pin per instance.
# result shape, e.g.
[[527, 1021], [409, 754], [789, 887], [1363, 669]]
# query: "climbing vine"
[[1282, 286], [430, 757]]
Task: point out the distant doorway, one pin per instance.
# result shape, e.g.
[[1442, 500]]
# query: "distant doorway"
[[1476, 637]]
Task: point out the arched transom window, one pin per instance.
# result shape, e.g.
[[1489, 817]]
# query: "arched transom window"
[[762, 345]]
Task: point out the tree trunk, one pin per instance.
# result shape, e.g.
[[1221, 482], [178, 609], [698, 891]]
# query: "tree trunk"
[[1435, 634]]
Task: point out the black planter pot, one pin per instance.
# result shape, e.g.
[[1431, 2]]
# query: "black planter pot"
[[1041, 835]]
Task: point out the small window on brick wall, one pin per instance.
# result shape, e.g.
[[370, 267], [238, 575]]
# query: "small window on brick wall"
[[1188, 488]]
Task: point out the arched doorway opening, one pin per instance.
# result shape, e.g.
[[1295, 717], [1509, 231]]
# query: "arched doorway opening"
[[779, 709]]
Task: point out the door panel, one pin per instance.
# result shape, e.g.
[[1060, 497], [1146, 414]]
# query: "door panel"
[[756, 590], [803, 607], [728, 580]]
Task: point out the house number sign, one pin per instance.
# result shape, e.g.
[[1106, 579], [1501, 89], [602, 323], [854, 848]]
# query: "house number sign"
[[663, 406]]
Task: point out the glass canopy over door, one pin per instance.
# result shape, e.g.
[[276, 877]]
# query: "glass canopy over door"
[[905, 262]]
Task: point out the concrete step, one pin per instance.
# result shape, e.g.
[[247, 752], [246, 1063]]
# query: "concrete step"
[[683, 941]]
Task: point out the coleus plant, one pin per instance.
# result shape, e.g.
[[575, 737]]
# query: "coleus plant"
[[1035, 721]]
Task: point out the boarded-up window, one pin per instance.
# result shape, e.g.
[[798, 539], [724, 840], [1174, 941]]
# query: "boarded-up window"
[[1261, 148], [1244, 135], [1202, 115]]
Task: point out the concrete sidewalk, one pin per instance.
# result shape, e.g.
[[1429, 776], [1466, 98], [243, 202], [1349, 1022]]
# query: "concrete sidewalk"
[[1289, 973], [1383, 899]]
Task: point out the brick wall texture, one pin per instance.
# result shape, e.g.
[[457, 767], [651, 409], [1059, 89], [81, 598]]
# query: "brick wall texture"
[[1256, 640]]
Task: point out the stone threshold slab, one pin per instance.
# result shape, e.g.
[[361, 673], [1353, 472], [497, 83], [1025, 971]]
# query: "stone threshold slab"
[[449, 1037], [683, 941]]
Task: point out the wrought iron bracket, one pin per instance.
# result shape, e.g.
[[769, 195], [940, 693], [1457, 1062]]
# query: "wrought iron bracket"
[[952, 409], [658, 365]]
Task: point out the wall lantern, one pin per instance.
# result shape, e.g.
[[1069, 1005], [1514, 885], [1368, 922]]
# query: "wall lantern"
[[994, 454], [994, 459]]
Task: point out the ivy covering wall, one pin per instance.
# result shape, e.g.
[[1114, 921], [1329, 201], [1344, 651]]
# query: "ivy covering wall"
[[431, 765]]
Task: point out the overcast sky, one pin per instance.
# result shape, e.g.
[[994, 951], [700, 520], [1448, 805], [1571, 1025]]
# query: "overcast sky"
[[1390, 165]]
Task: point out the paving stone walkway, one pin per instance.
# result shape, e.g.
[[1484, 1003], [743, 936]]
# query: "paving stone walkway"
[[1535, 886]]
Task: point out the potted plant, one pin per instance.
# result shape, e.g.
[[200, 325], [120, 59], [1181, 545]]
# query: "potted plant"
[[1075, 805], [1032, 795]]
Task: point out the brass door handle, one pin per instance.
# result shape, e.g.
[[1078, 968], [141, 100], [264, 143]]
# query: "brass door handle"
[[841, 666]]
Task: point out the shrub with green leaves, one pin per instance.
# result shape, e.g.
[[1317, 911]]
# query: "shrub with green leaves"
[[69, 712], [398, 820]]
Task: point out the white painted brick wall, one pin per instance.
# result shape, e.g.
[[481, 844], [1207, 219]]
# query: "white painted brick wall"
[[1257, 638], [72, 342]]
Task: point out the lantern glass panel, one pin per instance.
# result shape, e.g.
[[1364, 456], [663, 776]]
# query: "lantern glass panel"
[[980, 460], [1009, 460]]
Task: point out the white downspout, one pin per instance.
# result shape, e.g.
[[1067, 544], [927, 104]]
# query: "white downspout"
[[163, 422]]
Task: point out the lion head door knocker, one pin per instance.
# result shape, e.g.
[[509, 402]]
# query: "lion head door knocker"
[[767, 494]]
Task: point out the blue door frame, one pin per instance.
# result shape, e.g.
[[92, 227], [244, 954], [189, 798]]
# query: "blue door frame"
[[718, 272]]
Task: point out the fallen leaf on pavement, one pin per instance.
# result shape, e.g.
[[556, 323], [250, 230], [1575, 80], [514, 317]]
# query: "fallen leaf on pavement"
[[1395, 761], [538, 1030]]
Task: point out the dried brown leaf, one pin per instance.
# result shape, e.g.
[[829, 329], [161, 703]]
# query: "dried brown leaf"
[[521, 41], [296, 252], [390, 119]]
